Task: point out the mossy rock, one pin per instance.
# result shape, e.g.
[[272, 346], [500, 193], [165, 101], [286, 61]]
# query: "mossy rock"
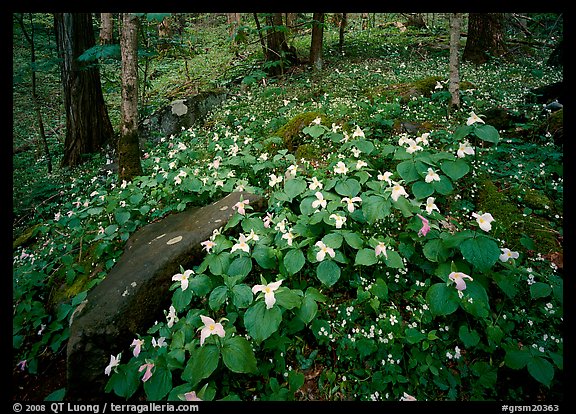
[[27, 236], [291, 133], [510, 222], [421, 87]]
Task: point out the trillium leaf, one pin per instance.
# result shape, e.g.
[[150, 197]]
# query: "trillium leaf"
[[217, 297], [487, 133], [407, 170], [261, 322], [479, 306], [422, 189], [435, 251], [348, 188], [365, 257], [333, 240], [375, 208], [444, 186], [353, 240], [200, 284], [294, 261], [442, 299], [308, 309], [328, 272], [203, 361], [159, 384], [541, 370], [394, 260], [288, 298], [517, 358], [363, 145], [240, 266], [470, 338], [481, 252], [181, 298], [455, 169], [238, 356], [540, 290], [241, 296], [264, 256], [294, 187]]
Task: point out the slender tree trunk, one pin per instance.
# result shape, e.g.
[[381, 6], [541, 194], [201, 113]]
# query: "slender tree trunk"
[[88, 127], [233, 24], [316, 43], [260, 35], [291, 20], [30, 39], [129, 165], [454, 85], [106, 29], [277, 47], [485, 37], [343, 23], [365, 20]]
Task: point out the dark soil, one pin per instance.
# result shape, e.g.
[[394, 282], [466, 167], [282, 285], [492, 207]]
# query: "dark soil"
[[51, 377]]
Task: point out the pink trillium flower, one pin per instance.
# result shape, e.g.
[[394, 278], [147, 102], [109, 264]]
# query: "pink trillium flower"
[[380, 249], [22, 365], [211, 327], [425, 226], [207, 245], [241, 206], [191, 396], [148, 367], [137, 344], [268, 290], [114, 362], [458, 278], [183, 278]]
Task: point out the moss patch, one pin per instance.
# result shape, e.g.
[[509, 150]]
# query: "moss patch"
[[291, 133], [510, 223]]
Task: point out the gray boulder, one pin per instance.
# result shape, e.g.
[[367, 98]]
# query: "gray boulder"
[[180, 114], [136, 291]]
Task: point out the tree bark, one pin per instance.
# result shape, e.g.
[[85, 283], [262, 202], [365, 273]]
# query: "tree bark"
[[485, 37], [129, 165], [316, 43], [343, 23], [233, 24], [88, 127], [277, 47], [106, 29], [454, 85], [30, 39]]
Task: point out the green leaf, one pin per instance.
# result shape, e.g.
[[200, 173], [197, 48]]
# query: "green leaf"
[[294, 187], [413, 336], [442, 299], [481, 252], [288, 298], [328, 272], [181, 298], [394, 260], [517, 358], [242, 296], [348, 188], [200, 284], [375, 208], [261, 322], [218, 297], [122, 216], [422, 189], [57, 395], [295, 380], [238, 356], [333, 240], [218, 263], [314, 130], [470, 338], [540, 290], [264, 256], [379, 289], [487, 133], [407, 170], [363, 145], [294, 261], [444, 186], [365, 257], [159, 384], [541, 370], [353, 240], [435, 251], [203, 361], [479, 306], [240, 266], [455, 169], [461, 132], [308, 309]]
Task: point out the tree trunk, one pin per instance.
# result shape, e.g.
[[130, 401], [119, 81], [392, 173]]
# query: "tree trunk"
[[485, 37], [30, 39], [106, 29], [365, 20], [316, 43], [277, 48], [233, 24], [88, 126], [129, 165], [291, 20], [454, 86], [343, 23]]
